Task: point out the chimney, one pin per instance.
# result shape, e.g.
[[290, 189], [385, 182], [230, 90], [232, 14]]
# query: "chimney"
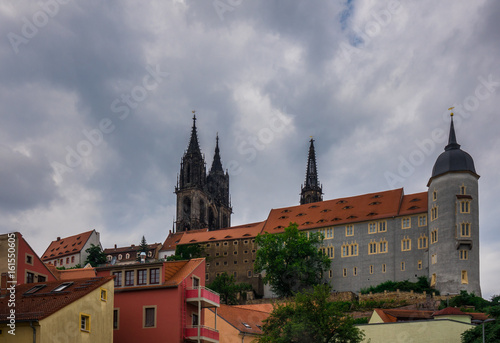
[[58, 239], [115, 246]]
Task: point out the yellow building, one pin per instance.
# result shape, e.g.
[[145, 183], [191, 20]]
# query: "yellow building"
[[58, 311], [445, 326]]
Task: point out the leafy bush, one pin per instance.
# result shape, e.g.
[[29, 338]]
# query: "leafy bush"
[[404, 286]]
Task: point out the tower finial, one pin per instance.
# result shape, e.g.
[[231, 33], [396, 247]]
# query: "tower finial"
[[452, 139]]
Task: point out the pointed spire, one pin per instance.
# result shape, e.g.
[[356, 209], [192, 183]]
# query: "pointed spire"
[[311, 190], [452, 140], [216, 164], [194, 147], [312, 172]]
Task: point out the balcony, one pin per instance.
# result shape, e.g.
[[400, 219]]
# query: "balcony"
[[207, 334], [205, 296]]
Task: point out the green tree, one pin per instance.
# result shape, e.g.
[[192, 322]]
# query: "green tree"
[[310, 317], [186, 252], [143, 247], [491, 329], [291, 260], [95, 255], [228, 289]]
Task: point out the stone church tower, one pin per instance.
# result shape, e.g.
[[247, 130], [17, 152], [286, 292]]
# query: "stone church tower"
[[202, 201], [311, 191], [454, 221]]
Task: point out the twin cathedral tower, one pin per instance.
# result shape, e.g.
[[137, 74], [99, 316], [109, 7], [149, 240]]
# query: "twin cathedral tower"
[[203, 200]]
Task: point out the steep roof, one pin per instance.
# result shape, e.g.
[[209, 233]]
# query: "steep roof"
[[66, 246], [177, 271], [359, 208], [237, 232], [453, 311], [174, 238], [237, 317], [45, 301]]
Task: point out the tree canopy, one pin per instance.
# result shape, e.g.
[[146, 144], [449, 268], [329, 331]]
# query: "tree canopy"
[[492, 308], [186, 252], [310, 317], [95, 255], [291, 260], [143, 247], [228, 289]]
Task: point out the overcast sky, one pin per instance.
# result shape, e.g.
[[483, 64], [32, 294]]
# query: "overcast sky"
[[97, 99]]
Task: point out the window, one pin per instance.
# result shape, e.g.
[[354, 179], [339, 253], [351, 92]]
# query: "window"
[[403, 266], [225, 263], [235, 274], [464, 206], [246, 325], [72, 259], [129, 278], [55, 263], [149, 317], [330, 273], [422, 220], [382, 246], [330, 252], [462, 190], [405, 223], [235, 262], [245, 242], [464, 254], [355, 271], [154, 276], [206, 277], [116, 318], [235, 242], [434, 236], [62, 287], [245, 252], [372, 227], [235, 252], [120, 256], [465, 229], [41, 278], [419, 265], [84, 322], [434, 196], [434, 213], [104, 294], [371, 269], [118, 279], [422, 242], [465, 279], [29, 259], [35, 289], [434, 258], [329, 232], [196, 282], [349, 230], [30, 277], [382, 226], [354, 249], [384, 269], [225, 243], [406, 244], [142, 277], [349, 249], [67, 260], [217, 254], [225, 253], [372, 248], [249, 273], [433, 280], [127, 256], [344, 272]]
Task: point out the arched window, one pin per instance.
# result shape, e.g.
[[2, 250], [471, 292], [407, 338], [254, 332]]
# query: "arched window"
[[202, 212], [186, 208]]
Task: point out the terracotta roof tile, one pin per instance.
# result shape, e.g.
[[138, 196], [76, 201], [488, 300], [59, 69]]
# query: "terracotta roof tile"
[[66, 246], [173, 239], [238, 317], [364, 207], [130, 249], [44, 302], [236, 232], [77, 273], [450, 311], [414, 203], [183, 272], [268, 308]]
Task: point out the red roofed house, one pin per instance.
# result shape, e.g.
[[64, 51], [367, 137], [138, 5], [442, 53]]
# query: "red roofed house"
[[59, 311], [393, 325], [70, 251], [239, 323], [130, 253], [161, 300], [19, 262]]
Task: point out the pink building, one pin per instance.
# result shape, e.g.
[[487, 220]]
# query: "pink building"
[[161, 300]]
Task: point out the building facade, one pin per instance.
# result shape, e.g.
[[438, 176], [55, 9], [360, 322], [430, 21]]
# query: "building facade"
[[202, 200]]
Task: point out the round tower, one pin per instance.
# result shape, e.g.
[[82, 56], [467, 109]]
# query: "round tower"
[[454, 221]]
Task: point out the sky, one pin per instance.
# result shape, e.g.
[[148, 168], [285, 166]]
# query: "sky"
[[97, 99]]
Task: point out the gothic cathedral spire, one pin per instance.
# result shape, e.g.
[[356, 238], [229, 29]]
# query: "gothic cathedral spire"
[[202, 201], [311, 191]]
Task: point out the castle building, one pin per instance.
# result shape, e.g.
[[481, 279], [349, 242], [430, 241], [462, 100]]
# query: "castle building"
[[202, 200], [388, 235]]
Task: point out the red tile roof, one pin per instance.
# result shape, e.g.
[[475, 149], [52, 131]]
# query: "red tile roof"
[[238, 317], [172, 240], [359, 208], [237, 232], [66, 246], [413, 204], [44, 302], [77, 273], [395, 315], [453, 311], [268, 308], [130, 249], [177, 271]]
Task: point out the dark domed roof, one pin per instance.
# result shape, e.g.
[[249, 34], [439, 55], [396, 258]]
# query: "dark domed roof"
[[453, 158]]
